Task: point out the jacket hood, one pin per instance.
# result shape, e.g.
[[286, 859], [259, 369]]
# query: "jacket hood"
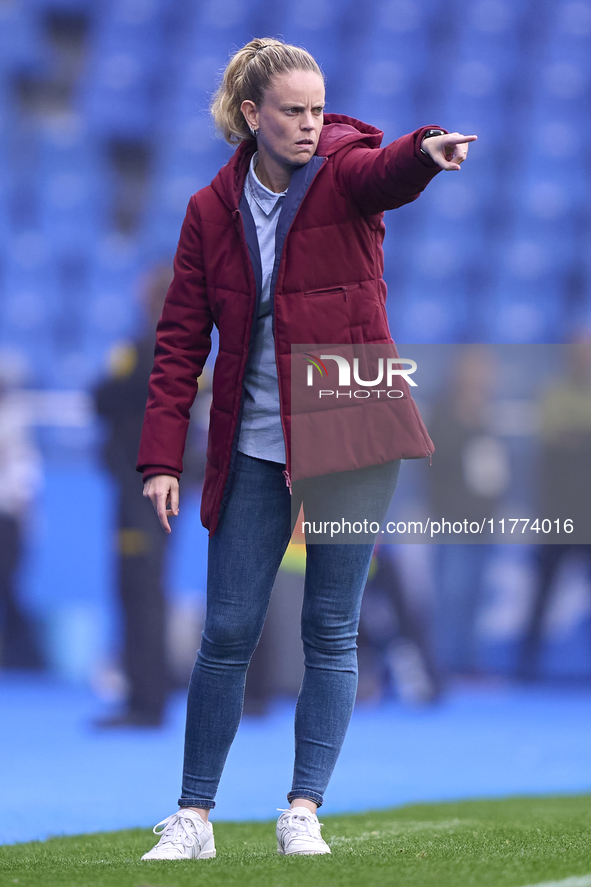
[[338, 132]]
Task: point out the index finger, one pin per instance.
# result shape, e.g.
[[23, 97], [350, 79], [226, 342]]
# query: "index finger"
[[174, 499], [458, 138], [161, 510]]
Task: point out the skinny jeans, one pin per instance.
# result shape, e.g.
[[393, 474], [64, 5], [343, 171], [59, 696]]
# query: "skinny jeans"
[[243, 559]]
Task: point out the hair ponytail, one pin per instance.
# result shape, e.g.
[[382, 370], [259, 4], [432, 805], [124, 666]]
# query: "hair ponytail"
[[248, 75]]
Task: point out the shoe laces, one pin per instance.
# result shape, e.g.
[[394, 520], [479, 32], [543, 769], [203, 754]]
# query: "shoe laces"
[[305, 823], [177, 829]]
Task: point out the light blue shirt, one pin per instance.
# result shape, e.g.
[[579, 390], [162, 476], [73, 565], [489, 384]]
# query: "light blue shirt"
[[261, 434]]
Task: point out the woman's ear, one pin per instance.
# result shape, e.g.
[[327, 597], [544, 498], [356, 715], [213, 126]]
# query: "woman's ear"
[[251, 115]]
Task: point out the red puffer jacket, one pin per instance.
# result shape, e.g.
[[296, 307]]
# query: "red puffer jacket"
[[330, 238]]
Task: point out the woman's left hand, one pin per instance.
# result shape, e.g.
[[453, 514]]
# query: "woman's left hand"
[[448, 150]]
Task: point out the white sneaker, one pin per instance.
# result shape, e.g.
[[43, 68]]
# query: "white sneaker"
[[184, 836], [298, 831]]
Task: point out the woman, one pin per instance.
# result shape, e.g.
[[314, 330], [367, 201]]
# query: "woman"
[[283, 247]]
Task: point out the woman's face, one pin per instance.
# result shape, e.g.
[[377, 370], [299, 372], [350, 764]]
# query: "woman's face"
[[290, 118]]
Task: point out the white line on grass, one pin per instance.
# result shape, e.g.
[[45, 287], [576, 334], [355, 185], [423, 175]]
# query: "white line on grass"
[[584, 881], [398, 829]]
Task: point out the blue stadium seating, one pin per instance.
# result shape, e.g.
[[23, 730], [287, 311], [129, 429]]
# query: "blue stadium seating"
[[517, 73], [20, 37]]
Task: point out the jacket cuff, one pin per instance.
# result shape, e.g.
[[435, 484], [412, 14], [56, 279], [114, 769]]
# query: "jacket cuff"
[[153, 470], [425, 160]]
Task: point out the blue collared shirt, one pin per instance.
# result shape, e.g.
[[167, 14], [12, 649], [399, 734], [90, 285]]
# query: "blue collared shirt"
[[261, 434]]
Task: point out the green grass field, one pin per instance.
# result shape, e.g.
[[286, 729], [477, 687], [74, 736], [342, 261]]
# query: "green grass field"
[[506, 843]]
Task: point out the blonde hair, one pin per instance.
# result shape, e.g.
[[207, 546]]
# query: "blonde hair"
[[248, 75]]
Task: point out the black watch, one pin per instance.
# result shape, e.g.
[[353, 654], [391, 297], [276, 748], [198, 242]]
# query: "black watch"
[[428, 135]]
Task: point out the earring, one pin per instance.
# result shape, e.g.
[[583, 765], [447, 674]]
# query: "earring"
[[254, 132]]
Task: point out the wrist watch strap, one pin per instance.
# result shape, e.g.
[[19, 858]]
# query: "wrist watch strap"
[[428, 135]]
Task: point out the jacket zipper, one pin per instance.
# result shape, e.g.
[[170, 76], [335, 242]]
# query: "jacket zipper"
[[287, 480], [286, 473], [237, 217]]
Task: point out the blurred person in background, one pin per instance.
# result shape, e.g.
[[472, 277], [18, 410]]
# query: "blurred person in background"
[[284, 247], [20, 479], [395, 637], [563, 487], [141, 546], [470, 472]]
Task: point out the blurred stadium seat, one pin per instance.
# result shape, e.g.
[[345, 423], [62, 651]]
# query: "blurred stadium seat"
[[105, 134]]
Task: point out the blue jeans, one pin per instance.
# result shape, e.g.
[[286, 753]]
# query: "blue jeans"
[[244, 557]]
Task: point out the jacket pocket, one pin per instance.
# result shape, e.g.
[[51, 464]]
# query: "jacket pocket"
[[343, 290]]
